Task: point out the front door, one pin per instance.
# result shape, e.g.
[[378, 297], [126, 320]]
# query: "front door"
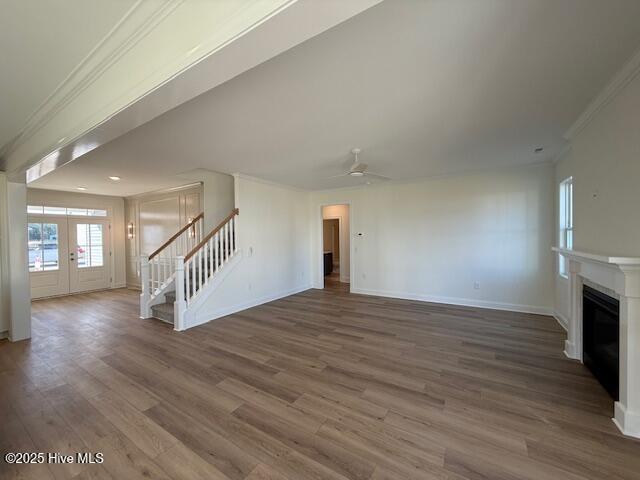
[[88, 254], [48, 253]]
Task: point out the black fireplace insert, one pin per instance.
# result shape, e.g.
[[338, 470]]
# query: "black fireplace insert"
[[601, 337]]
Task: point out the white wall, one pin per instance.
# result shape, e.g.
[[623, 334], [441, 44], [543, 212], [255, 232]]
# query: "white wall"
[[433, 239], [604, 162], [115, 207], [273, 233], [15, 304], [341, 212], [218, 196], [4, 259], [156, 217]]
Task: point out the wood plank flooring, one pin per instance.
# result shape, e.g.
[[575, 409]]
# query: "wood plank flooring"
[[319, 385]]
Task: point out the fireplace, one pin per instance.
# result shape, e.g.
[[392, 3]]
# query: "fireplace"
[[601, 337]]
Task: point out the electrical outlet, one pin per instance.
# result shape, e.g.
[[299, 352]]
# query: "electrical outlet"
[[476, 285]]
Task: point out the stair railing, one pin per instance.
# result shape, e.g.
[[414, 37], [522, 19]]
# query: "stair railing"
[[196, 268], [159, 268]]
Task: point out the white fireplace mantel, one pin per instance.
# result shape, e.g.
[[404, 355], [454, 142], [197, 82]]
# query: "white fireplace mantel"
[[622, 275]]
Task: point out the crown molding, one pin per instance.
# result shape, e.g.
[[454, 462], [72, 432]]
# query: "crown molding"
[[135, 25], [68, 105], [175, 57], [630, 70]]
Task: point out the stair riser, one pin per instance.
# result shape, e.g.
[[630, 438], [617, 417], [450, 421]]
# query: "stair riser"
[[162, 314]]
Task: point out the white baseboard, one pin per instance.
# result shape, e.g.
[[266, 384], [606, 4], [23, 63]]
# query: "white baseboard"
[[627, 422], [562, 320], [465, 302], [223, 312], [571, 352], [4, 335]]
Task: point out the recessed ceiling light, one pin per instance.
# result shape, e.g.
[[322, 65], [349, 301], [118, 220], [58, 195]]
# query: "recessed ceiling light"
[[81, 188], [538, 150], [114, 178]]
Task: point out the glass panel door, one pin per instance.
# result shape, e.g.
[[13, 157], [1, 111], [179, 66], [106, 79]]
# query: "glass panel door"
[[89, 253], [47, 255], [90, 245]]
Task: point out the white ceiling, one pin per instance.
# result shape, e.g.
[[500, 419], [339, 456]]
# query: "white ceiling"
[[42, 42], [423, 87]]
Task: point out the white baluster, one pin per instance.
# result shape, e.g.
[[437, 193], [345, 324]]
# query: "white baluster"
[[188, 282], [224, 246], [211, 260], [144, 283], [233, 235], [226, 234], [164, 269], [216, 252], [205, 249], [201, 271], [193, 276], [152, 271], [180, 305]]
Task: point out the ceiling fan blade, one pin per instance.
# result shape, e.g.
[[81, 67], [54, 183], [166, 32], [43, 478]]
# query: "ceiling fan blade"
[[337, 176], [375, 175]]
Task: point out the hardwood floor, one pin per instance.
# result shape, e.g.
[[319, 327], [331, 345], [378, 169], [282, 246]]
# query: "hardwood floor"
[[319, 385]]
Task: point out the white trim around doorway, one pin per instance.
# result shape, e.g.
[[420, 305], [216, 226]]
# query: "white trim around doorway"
[[319, 280]]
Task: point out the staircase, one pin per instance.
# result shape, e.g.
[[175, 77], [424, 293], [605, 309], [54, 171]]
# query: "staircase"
[[175, 278]]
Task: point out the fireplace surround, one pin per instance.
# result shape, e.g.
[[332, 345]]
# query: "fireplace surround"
[[621, 276]]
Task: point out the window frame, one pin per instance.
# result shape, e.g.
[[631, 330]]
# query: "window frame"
[[565, 223], [43, 268], [67, 211]]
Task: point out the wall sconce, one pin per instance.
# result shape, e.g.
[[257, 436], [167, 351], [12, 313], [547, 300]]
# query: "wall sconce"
[[130, 230]]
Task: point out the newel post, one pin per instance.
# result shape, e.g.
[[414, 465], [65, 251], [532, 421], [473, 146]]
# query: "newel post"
[[180, 305], [145, 296]]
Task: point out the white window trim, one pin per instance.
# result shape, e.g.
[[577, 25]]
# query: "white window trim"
[[565, 223], [67, 210]]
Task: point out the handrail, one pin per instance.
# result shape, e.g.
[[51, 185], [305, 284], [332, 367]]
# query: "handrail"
[[202, 243], [180, 232]]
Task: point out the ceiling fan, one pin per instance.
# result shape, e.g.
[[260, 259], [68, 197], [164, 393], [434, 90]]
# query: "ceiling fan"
[[359, 169]]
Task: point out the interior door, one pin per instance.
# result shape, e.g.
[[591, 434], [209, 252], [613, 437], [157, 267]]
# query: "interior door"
[[48, 254], [89, 257]]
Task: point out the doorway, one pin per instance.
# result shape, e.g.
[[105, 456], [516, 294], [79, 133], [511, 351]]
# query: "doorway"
[[335, 269], [67, 255]]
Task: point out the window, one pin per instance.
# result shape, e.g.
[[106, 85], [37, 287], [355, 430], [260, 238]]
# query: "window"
[[90, 246], [43, 246], [78, 212], [566, 221]]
